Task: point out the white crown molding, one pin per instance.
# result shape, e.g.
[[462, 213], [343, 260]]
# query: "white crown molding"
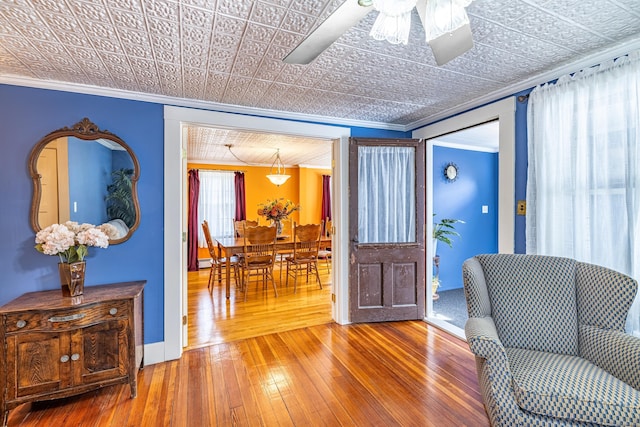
[[303, 166], [572, 67], [190, 103], [460, 146]]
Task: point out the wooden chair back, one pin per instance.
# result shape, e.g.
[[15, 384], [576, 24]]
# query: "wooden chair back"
[[213, 248], [240, 225], [326, 227], [259, 245], [306, 241]]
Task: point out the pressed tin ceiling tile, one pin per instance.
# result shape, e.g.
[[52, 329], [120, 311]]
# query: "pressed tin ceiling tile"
[[230, 51]]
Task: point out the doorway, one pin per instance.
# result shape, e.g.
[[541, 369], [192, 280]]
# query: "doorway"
[[175, 225], [504, 112], [212, 318], [465, 200]]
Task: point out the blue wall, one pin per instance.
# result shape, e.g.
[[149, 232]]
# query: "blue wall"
[[521, 169], [28, 115], [476, 185]]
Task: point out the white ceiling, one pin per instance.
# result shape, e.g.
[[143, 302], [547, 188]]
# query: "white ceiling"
[[227, 55], [483, 137], [233, 147]]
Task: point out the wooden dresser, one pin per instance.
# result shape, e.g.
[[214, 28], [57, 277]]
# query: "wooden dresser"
[[55, 347]]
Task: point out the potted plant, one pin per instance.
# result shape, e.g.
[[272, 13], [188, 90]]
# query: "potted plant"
[[120, 198], [443, 231]]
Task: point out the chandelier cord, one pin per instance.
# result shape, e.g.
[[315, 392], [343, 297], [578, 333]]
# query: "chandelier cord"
[[236, 157]]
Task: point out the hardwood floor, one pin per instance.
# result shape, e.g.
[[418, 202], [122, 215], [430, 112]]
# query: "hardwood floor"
[[214, 319], [282, 362], [401, 373]]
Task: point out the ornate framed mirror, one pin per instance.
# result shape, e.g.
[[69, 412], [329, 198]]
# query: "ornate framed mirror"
[[85, 174]]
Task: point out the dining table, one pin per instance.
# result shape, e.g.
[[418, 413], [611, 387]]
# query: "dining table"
[[230, 246]]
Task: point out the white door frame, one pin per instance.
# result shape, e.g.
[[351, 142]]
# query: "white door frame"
[[175, 229], [504, 111]]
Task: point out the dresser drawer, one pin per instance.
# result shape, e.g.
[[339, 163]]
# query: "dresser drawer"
[[58, 320]]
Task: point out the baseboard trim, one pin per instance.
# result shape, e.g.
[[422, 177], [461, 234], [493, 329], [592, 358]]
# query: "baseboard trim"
[[154, 353]]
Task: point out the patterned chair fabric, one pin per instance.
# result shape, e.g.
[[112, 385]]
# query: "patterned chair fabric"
[[548, 336]]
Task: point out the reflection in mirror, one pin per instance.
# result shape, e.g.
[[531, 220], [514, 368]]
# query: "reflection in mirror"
[[87, 175]]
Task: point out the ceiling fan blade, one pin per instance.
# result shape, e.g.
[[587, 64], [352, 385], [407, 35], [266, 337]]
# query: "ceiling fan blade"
[[451, 45], [343, 18]]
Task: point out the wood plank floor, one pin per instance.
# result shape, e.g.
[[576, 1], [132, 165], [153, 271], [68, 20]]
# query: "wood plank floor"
[[401, 373], [282, 362], [214, 319]]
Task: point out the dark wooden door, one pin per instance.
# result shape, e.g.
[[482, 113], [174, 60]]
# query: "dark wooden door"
[[386, 229]]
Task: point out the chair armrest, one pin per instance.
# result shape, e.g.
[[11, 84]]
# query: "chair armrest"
[[614, 351], [483, 340]]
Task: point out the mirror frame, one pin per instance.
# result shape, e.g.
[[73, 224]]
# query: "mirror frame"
[[85, 130]]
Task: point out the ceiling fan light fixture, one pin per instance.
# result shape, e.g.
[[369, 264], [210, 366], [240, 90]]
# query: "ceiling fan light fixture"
[[280, 177], [394, 20], [444, 17]]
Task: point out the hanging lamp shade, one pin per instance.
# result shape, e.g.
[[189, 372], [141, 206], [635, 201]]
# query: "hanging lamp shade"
[[279, 177], [394, 20]]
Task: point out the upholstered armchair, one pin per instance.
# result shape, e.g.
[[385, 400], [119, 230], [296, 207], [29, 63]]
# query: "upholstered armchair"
[[548, 336]]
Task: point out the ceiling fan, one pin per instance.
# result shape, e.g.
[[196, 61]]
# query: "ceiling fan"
[[445, 22]]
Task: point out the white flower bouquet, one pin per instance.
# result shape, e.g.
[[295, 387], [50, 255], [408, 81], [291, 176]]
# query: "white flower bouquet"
[[70, 240]]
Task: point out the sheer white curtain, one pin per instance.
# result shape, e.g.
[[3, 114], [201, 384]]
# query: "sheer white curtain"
[[216, 204], [583, 188], [386, 194]]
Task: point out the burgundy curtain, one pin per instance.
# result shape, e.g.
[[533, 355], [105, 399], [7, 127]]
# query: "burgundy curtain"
[[241, 208], [192, 235], [326, 197]]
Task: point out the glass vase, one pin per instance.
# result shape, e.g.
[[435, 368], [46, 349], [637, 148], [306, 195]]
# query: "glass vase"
[[278, 224], [72, 278]]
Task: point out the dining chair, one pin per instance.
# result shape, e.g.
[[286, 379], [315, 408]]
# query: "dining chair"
[[218, 263], [306, 243], [259, 256], [324, 253], [281, 254], [240, 225]]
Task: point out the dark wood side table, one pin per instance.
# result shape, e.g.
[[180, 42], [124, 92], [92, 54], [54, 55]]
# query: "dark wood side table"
[[54, 346]]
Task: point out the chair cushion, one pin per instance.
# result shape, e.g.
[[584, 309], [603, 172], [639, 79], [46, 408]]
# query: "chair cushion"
[[570, 387], [533, 301]]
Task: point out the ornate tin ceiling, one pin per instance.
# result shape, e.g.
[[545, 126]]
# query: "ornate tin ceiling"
[[230, 52]]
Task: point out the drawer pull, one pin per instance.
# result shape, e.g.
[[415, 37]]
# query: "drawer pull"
[[75, 356], [69, 318], [64, 358], [113, 311], [21, 324]]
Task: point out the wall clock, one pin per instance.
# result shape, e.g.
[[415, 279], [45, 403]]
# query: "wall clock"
[[451, 172]]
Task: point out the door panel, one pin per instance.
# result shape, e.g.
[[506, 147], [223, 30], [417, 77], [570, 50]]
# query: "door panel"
[[386, 231], [103, 351], [40, 367]]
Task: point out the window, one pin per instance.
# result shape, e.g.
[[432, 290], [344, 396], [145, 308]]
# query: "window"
[[583, 183], [216, 204]]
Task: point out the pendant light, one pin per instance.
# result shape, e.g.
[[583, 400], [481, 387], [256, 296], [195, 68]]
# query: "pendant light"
[[279, 177]]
